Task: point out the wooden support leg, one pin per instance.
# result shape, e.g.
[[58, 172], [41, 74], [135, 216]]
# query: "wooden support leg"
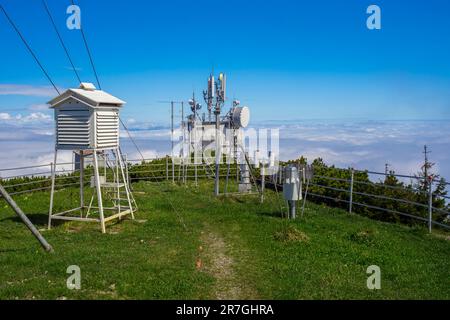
[[25, 219], [52, 192], [99, 192]]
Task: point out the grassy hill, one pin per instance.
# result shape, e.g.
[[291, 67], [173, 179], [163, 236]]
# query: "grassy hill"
[[230, 248]]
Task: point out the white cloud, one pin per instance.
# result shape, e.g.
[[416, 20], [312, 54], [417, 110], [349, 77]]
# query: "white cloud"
[[37, 116], [5, 116], [65, 159], [44, 132], [27, 90], [146, 153], [369, 145], [40, 161], [149, 134], [39, 107], [32, 118]]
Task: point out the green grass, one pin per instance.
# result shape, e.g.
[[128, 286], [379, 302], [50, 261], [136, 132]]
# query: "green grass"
[[211, 247]]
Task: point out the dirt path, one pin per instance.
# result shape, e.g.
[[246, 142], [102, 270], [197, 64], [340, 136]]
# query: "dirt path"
[[215, 261]]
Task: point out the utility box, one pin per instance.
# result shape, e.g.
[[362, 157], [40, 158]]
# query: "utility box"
[[292, 189], [291, 185], [86, 118]]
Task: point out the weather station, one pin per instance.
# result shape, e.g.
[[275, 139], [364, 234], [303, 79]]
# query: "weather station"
[[87, 123]]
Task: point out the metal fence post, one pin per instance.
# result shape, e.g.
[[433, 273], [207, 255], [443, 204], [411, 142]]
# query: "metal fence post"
[[280, 177], [352, 176], [167, 168], [263, 181], [430, 204], [52, 191], [173, 170], [172, 139], [195, 173], [306, 195]]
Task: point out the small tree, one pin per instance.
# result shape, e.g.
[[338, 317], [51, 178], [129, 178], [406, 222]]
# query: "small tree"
[[425, 178]]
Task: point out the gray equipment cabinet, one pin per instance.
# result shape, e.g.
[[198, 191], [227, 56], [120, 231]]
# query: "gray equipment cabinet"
[[292, 189]]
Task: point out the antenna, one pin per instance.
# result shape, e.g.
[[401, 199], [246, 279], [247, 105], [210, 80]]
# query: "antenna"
[[208, 95], [195, 106], [220, 101], [235, 119]]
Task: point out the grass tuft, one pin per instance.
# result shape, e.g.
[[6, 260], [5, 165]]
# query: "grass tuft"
[[366, 236], [291, 234]]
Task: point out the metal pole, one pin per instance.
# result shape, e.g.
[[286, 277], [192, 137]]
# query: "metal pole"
[[306, 194], [99, 192], [167, 168], [82, 182], [126, 170], [430, 204], [301, 180], [292, 209], [25, 220], [127, 191], [173, 163], [236, 162], [351, 191], [263, 181], [195, 147], [52, 191], [195, 173], [195, 157], [216, 185], [194, 132], [227, 177], [280, 181], [117, 183], [184, 142]]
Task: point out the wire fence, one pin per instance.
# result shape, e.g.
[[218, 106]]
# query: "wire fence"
[[346, 188], [373, 198]]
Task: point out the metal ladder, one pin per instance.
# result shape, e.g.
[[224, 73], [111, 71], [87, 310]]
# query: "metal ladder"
[[113, 191]]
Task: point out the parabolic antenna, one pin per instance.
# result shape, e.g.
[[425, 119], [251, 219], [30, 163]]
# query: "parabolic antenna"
[[241, 117]]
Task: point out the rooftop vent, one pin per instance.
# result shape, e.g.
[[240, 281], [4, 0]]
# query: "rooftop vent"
[[87, 86]]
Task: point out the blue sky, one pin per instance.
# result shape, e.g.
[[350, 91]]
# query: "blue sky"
[[311, 68], [285, 59]]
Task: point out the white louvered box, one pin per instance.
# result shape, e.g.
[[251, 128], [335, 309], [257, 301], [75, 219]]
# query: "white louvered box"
[[86, 118]]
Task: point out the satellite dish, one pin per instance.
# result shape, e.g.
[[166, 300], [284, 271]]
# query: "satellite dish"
[[241, 117]]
